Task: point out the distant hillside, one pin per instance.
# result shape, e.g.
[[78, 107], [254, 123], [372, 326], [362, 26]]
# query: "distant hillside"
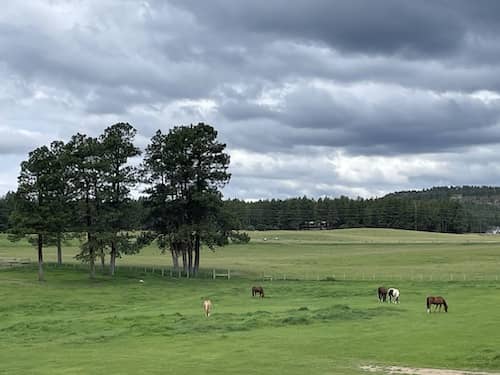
[[476, 194], [481, 204]]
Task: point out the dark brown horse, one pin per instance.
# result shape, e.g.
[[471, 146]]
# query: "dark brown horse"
[[436, 301], [257, 290], [382, 293]]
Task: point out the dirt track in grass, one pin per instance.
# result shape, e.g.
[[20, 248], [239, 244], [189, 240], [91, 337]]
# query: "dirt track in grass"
[[421, 371]]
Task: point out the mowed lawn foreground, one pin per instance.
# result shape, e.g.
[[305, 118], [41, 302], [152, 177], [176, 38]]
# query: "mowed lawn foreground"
[[71, 325]]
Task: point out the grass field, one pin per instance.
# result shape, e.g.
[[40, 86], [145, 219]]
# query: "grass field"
[[71, 325]]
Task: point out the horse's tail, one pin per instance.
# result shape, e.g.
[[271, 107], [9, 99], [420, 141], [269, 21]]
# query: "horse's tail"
[[428, 304], [445, 305]]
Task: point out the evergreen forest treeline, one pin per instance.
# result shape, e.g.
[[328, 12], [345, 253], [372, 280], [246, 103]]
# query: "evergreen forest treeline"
[[440, 209]]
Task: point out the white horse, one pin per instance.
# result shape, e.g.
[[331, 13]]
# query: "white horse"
[[207, 307], [393, 294]]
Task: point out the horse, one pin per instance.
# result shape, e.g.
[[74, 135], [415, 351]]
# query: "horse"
[[257, 290], [436, 301], [393, 295], [382, 293], [207, 307]]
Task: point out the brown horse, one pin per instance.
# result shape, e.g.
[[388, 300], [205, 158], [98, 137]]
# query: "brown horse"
[[257, 290], [382, 293], [436, 301]]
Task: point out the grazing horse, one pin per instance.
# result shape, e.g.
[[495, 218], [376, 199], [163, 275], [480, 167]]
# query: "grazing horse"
[[207, 307], [257, 290], [393, 295], [436, 301], [382, 293]]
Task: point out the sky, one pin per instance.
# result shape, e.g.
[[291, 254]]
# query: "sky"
[[312, 97]]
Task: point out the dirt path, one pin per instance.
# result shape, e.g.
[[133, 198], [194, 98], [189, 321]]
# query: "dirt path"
[[421, 371]]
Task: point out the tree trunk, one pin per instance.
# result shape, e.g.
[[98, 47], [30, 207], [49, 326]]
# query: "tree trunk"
[[103, 261], [92, 265], [184, 260], [175, 259], [59, 249], [112, 259], [40, 258], [196, 254], [91, 256], [190, 260]]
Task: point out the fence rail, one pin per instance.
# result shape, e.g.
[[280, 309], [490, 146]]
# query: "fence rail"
[[211, 273], [14, 262]]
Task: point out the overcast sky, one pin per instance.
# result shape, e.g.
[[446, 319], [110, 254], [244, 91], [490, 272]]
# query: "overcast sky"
[[312, 97]]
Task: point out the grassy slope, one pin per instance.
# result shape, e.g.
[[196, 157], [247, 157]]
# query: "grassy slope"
[[71, 325]]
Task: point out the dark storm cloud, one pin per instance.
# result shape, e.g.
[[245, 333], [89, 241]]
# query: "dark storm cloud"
[[361, 26], [397, 121], [293, 79]]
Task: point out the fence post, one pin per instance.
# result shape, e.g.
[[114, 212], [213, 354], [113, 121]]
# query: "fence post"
[[228, 274], [213, 273]]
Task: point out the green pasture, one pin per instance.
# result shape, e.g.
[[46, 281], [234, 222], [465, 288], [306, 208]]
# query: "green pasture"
[[351, 254], [72, 325]]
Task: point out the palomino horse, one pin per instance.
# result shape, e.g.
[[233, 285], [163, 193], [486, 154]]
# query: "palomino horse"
[[258, 290], [382, 293], [436, 301], [393, 295], [207, 307]]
